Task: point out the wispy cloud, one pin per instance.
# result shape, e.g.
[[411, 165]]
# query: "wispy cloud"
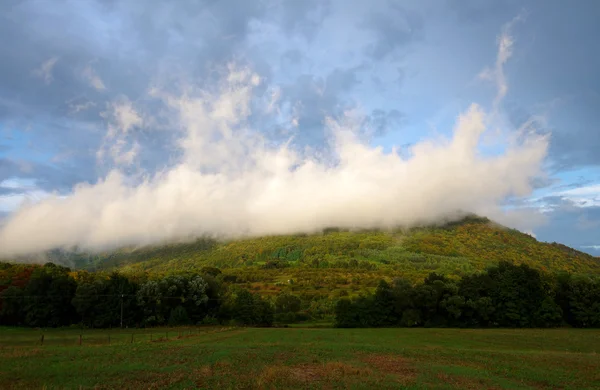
[[45, 70], [121, 117], [89, 74], [505, 51], [595, 247], [585, 196], [76, 107]]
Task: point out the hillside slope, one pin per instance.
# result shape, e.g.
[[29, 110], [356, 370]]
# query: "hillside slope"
[[454, 249], [341, 263]]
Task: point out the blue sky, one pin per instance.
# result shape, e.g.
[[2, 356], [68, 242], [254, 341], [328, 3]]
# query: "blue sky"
[[74, 70]]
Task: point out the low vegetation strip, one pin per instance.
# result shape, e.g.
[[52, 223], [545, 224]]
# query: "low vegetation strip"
[[274, 358], [28, 337]]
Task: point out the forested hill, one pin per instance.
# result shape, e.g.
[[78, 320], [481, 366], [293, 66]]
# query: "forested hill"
[[426, 276], [457, 248]]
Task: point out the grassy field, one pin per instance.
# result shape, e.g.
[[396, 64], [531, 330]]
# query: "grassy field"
[[251, 358]]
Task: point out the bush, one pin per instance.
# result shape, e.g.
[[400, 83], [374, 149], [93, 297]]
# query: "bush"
[[179, 316]]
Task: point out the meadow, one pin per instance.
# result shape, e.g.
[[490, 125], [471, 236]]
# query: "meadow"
[[304, 358]]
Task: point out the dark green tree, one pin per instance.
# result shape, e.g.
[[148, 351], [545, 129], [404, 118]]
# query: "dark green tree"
[[13, 301], [47, 297], [179, 316]]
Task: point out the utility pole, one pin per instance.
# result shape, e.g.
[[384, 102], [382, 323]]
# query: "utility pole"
[[122, 295]]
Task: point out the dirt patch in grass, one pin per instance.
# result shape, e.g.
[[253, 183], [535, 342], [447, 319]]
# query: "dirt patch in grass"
[[161, 340], [327, 374], [398, 366], [463, 382], [207, 371], [148, 380], [20, 352], [453, 361]]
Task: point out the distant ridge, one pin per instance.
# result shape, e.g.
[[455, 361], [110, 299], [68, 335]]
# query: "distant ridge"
[[455, 247]]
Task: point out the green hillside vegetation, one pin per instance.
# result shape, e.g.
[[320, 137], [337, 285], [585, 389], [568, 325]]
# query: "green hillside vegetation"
[[350, 261]]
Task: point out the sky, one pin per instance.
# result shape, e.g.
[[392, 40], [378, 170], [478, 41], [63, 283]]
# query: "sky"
[[140, 122]]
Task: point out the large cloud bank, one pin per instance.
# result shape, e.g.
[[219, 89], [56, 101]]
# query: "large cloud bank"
[[230, 181]]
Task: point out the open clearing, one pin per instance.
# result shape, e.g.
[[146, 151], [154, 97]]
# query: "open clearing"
[[253, 358]]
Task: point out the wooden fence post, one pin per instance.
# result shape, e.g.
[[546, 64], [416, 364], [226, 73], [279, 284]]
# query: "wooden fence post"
[[79, 339], [42, 340]]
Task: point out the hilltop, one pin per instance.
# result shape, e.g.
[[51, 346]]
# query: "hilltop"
[[351, 261]]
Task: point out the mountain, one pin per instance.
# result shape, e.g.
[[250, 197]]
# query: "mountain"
[[341, 262], [347, 259]]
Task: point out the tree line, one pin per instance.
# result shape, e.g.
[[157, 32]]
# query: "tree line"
[[506, 295], [53, 296]]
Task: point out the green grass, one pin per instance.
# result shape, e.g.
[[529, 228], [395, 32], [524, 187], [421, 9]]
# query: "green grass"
[[253, 358]]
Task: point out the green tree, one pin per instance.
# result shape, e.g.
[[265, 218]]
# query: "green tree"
[[345, 314], [250, 309], [48, 296], [179, 316], [13, 300]]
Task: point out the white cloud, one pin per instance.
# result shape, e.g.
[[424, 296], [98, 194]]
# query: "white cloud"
[[505, 52], [122, 118], [596, 247], [78, 107], [89, 74], [45, 70], [232, 182], [126, 117], [587, 196]]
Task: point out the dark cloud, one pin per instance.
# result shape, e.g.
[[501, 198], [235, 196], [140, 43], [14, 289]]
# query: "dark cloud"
[[576, 227], [576, 143], [557, 76], [581, 181], [47, 85], [304, 17], [394, 27], [313, 98], [543, 182], [10, 191], [480, 11], [69, 66], [573, 144], [61, 177]]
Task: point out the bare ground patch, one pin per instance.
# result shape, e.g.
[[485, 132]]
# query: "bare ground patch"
[[327, 374], [20, 352], [463, 382], [208, 371], [148, 380], [398, 366]]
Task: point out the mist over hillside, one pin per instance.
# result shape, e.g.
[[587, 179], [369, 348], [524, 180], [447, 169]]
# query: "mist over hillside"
[[456, 247]]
